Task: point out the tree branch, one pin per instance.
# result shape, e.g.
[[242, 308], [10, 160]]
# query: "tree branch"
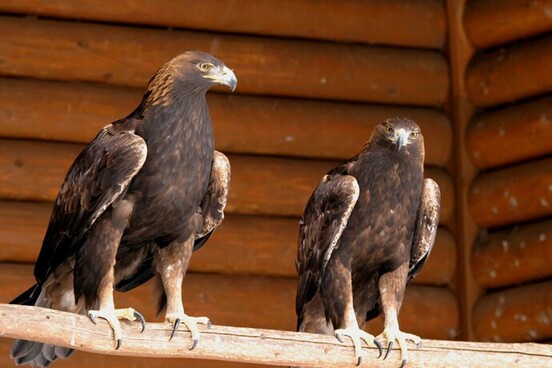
[[250, 345]]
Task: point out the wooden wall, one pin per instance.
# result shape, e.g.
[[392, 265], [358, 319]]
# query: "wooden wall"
[[509, 142], [314, 79]]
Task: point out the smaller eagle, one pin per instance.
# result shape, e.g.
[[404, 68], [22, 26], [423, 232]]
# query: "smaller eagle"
[[139, 199], [367, 230]]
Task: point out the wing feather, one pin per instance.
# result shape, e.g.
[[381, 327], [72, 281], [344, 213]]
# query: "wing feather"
[[99, 176], [426, 226], [321, 226]]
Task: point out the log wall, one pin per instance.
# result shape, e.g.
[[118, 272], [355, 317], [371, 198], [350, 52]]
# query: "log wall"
[[311, 89], [509, 141]]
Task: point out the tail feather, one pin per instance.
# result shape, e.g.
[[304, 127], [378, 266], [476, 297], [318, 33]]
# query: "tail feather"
[[36, 354]]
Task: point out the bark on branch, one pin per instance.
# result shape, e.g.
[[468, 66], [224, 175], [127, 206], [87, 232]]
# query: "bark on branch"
[[251, 345]]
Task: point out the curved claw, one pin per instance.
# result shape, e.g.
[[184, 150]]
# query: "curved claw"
[[419, 344], [141, 319], [378, 345], [389, 347], [359, 360], [338, 337], [119, 343], [209, 325], [194, 344], [175, 327], [403, 363], [92, 318]]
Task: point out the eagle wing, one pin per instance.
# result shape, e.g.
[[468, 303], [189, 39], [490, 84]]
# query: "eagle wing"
[[98, 178], [215, 199], [426, 226], [321, 226]]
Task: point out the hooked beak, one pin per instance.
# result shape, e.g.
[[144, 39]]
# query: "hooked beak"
[[225, 76], [401, 138]]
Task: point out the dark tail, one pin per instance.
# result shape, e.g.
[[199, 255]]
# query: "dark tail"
[[35, 353]]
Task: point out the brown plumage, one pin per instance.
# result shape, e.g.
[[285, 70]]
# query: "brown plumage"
[[367, 229], [139, 199]]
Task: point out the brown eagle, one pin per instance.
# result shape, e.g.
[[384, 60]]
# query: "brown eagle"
[[367, 230], [138, 200]]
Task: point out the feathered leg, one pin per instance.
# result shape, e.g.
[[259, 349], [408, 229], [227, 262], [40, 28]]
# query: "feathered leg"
[[171, 264], [95, 273], [338, 281], [392, 286]]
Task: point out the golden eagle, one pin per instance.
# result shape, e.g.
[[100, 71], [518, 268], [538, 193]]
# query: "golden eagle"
[[138, 200], [367, 230]]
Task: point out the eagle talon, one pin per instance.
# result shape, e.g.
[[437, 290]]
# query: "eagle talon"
[[403, 363], [389, 347], [194, 344], [92, 318], [378, 345], [175, 327], [140, 318], [119, 343], [359, 360], [338, 337]]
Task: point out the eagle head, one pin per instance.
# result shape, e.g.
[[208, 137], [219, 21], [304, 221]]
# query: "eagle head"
[[189, 73], [400, 135]]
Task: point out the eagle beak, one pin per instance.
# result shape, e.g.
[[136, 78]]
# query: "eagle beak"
[[401, 138], [225, 76]]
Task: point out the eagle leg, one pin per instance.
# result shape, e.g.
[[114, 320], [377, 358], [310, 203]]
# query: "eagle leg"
[[171, 263], [392, 286], [112, 316]]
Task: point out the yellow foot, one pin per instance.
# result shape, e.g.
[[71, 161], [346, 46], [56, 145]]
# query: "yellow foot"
[[190, 322], [394, 334], [356, 334], [112, 316]]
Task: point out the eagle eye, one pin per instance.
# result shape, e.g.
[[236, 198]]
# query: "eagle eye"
[[414, 135], [388, 129], [205, 67]]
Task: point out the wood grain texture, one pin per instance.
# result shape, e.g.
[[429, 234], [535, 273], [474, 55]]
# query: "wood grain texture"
[[509, 74], [241, 245], [401, 23], [514, 256], [74, 112], [253, 345], [510, 135], [495, 22], [258, 302], [34, 171], [518, 314], [515, 194], [46, 49]]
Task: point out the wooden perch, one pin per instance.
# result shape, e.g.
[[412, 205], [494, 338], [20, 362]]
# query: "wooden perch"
[[515, 194], [251, 345]]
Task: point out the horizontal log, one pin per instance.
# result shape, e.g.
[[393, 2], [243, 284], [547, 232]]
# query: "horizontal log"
[[511, 195], [46, 49], [525, 127], [510, 74], [514, 256], [253, 345], [89, 360], [258, 302], [391, 22], [271, 126], [515, 315], [242, 245], [495, 22], [33, 171]]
